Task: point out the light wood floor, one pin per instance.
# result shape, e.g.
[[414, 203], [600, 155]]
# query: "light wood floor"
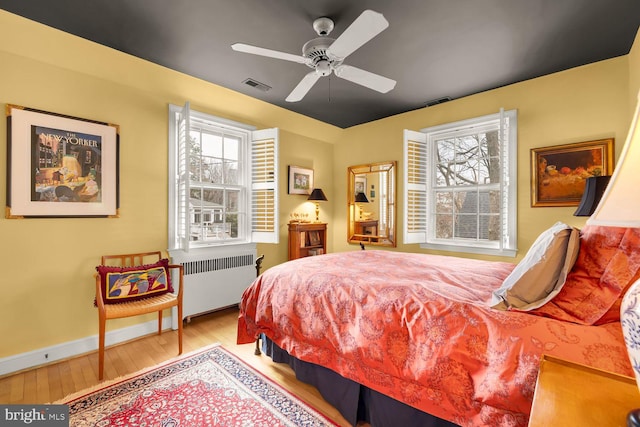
[[54, 381]]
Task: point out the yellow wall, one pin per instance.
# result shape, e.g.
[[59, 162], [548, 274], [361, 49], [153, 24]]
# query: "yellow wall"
[[634, 72], [47, 264], [580, 104]]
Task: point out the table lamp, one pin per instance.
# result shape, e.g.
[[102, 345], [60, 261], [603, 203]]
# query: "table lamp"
[[317, 195], [593, 190], [361, 198], [620, 207]]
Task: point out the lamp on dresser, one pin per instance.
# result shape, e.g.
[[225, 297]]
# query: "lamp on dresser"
[[317, 195], [361, 198], [620, 207]]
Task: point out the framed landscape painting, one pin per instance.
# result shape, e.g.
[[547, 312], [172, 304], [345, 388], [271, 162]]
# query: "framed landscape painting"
[[558, 173], [60, 166]]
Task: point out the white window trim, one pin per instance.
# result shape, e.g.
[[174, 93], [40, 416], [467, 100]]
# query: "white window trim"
[[421, 212], [251, 236]]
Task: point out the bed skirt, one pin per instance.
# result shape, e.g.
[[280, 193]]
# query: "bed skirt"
[[354, 401]]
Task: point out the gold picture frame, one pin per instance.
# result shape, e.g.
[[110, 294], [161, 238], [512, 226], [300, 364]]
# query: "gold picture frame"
[[558, 173]]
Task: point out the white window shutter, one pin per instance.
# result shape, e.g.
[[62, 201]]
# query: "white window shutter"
[[264, 186], [509, 145], [415, 187], [183, 211]]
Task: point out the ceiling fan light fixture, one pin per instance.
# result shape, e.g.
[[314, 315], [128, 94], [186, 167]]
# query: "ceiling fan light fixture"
[[323, 67]]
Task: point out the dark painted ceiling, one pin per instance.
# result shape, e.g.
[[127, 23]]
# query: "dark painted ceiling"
[[434, 49]]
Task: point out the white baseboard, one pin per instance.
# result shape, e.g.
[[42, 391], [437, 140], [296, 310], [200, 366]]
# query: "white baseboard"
[[69, 349]]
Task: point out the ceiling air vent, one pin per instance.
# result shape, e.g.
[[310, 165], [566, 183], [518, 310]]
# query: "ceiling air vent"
[[256, 84], [438, 101]]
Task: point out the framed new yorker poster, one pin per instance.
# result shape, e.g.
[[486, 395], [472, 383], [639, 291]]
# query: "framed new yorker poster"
[[60, 166]]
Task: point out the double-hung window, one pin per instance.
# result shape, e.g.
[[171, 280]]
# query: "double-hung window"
[[460, 185], [222, 181]]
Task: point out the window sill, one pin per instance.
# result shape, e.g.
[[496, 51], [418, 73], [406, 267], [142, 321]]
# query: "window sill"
[[212, 250], [471, 249]]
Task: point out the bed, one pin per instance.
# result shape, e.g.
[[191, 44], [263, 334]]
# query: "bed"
[[436, 340]]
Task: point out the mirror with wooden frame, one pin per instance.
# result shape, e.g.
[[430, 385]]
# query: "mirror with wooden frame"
[[371, 204]]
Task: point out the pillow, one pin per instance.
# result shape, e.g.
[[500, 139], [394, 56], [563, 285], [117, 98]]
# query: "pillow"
[[613, 314], [542, 272], [121, 284], [607, 264]]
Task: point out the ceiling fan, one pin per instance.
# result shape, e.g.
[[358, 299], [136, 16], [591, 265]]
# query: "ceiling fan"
[[325, 54]]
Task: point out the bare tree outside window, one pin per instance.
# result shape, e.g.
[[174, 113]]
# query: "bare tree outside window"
[[460, 192], [467, 175]]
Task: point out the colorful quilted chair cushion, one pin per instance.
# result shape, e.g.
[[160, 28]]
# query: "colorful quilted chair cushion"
[[122, 284]]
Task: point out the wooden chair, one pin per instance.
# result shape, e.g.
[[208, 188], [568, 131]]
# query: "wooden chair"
[[137, 307]]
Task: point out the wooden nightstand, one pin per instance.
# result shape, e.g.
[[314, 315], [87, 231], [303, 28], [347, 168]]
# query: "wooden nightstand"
[[569, 394], [307, 239]]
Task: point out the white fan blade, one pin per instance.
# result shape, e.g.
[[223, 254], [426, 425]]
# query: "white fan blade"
[[303, 87], [241, 47], [365, 78], [366, 26]]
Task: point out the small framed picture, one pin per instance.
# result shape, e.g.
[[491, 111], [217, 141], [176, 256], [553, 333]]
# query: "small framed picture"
[[360, 184], [300, 180]]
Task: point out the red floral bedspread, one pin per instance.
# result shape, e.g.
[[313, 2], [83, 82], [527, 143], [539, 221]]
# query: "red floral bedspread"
[[418, 328]]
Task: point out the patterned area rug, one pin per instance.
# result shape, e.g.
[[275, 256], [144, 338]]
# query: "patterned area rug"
[[210, 387]]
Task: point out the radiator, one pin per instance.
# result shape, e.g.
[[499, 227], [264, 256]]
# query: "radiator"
[[214, 282]]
